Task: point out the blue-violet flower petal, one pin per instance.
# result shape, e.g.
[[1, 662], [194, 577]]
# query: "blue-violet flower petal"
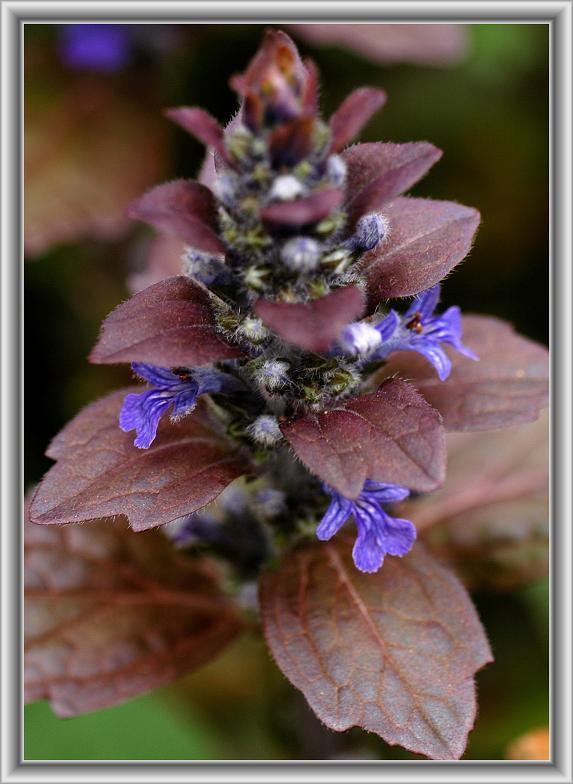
[[379, 534]]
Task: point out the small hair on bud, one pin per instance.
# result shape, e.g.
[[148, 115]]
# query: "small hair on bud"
[[286, 187], [253, 329], [272, 374], [301, 254], [359, 339], [370, 230], [336, 170], [265, 430]]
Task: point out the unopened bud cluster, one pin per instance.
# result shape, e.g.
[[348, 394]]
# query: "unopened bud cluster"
[[286, 261], [275, 254]]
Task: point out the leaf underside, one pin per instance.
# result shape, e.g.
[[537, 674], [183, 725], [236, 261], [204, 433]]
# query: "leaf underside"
[[394, 653], [353, 114], [184, 209], [110, 615]]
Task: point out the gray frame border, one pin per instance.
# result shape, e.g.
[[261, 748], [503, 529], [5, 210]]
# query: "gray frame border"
[[556, 13]]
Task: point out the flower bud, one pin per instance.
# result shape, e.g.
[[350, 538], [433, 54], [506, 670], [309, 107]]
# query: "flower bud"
[[205, 269], [337, 260], [272, 375], [253, 330], [370, 230], [331, 224], [265, 430], [341, 380], [336, 170], [359, 339], [286, 187], [301, 254], [274, 85]]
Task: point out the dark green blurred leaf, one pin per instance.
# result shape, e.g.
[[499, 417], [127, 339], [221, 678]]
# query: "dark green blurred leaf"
[[145, 728]]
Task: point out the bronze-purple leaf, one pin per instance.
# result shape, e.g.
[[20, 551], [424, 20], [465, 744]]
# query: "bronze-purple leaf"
[[110, 615], [491, 517], [168, 324], [100, 473], [509, 385], [394, 652], [184, 209], [378, 172], [426, 240], [200, 124], [392, 435], [302, 212], [313, 325], [352, 114]]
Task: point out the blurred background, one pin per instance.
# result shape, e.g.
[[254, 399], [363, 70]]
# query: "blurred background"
[[95, 138]]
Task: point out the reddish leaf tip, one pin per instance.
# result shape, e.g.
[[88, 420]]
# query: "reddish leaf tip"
[[184, 209], [352, 114], [170, 323]]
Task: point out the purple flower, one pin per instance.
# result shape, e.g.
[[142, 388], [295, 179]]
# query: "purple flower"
[[379, 534], [422, 331], [177, 389], [96, 47], [205, 268]]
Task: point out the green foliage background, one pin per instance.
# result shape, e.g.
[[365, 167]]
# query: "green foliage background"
[[489, 113]]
